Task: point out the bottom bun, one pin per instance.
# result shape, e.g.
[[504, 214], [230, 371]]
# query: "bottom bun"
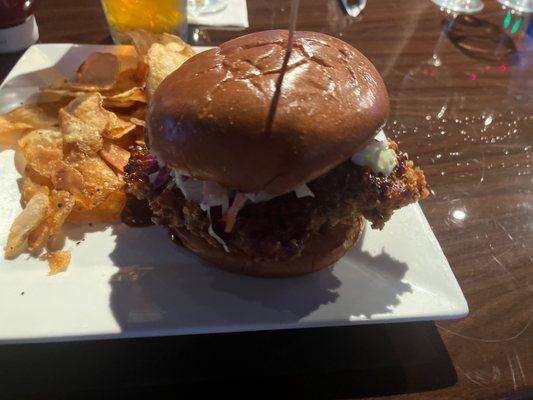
[[321, 250]]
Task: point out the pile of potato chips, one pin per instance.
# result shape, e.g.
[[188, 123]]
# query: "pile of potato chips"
[[72, 148]]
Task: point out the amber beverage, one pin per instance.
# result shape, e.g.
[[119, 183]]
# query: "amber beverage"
[[156, 16]]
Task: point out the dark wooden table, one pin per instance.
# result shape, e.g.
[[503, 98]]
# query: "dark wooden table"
[[462, 106]]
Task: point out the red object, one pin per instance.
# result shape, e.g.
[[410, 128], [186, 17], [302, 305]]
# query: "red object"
[[15, 12], [472, 77], [503, 68]]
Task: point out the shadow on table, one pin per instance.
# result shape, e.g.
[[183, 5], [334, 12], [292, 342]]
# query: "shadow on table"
[[342, 362]]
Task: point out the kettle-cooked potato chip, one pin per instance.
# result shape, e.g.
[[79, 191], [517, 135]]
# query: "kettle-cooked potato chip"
[[161, 54], [142, 40], [108, 211], [58, 261], [85, 137], [114, 77], [126, 98], [99, 71], [30, 188], [162, 61], [41, 148], [66, 177], [115, 156], [26, 118], [99, 180], [90, 110], [30, 217], [71, 148], [61, 204]]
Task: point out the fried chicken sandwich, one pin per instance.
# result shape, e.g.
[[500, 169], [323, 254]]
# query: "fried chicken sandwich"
[[267, 176]]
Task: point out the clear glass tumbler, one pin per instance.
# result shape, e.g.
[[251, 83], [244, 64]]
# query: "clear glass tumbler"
[[156, 16]]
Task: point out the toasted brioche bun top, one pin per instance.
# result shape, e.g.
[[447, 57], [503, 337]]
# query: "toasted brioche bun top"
[[209, 118]]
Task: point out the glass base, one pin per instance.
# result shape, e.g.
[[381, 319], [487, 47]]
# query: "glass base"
[[354, 7], [522, 6], [460, 6]]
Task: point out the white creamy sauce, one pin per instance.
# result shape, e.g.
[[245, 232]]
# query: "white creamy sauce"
[[377, 155]]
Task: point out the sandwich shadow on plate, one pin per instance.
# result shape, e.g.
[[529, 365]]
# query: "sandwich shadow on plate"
[[161, 288]]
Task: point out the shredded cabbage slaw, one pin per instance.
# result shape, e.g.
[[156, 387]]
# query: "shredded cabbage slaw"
[[377, 155]]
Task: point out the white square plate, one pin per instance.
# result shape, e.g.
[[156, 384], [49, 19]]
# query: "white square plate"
[[133, 282]]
